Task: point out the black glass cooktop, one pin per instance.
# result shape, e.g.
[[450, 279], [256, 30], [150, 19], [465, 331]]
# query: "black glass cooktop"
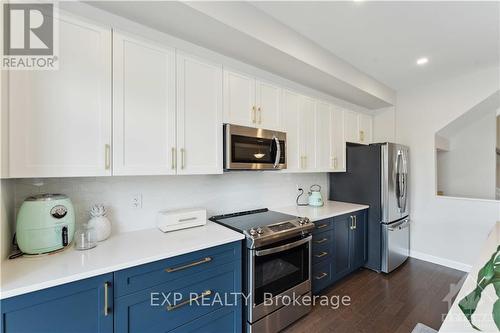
[[251, 219]]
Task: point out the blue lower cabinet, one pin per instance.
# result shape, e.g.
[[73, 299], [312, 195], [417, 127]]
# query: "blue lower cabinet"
[[153, 297], [165, 307], [82, 306], [339, 248]]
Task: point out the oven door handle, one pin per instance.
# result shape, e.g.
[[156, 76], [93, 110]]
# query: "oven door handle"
[[282, 248]]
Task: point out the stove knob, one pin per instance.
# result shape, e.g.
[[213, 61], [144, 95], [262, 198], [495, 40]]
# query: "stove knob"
[[260, 231], [303, 221], [252, 232]]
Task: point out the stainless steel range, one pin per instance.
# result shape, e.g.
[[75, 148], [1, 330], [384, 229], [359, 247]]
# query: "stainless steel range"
[[277, 266]]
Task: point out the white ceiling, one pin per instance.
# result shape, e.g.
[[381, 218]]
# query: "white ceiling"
[[384, 39]]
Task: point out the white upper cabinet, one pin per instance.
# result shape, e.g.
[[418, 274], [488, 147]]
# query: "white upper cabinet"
[[323, 137], [268, 103], [199, 116], [143, 107], [239, 99], [291, 113], [307, 136], [351, 126], [338, 138], [60, 120], [365, 128], [251, 102], [358, 127]]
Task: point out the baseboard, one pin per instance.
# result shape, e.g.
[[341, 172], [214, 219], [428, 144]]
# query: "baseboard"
[[441, 261]]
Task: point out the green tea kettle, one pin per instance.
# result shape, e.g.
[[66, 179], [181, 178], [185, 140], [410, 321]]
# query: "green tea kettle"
[[315, 198]]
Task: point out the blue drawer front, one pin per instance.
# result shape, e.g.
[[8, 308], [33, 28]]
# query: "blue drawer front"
[[322, 226], [224, 320], [134, 312], [72, 307], [322, 238], [321, 276], [321, 254], [141, 277]]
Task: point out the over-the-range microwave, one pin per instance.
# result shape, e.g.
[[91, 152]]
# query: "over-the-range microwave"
[[248, 148]]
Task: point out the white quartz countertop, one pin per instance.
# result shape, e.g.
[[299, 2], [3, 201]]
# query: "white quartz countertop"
[[455, 321], [27, 274], [330, 209]]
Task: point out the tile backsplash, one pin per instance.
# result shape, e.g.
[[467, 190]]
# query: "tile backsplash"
[[219, 194]]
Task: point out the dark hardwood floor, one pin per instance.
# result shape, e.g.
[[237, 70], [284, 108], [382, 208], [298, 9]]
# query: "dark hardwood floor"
[[385, 303]]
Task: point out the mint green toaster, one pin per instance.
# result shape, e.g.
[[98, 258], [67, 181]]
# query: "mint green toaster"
[[45, 223]]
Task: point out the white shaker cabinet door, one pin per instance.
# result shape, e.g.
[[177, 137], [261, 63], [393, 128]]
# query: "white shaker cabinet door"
[[307, 145], [365, 128], [239, 99], [290, 116], [199, 116], [268, 102], [323, 138], [351, 126], [60, 120], [143, 107], [338, 147]]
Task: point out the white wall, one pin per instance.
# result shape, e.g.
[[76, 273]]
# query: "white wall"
[[219, 194], [468, 169], [448, 231]]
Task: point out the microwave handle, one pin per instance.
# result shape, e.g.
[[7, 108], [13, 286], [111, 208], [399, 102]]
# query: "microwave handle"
[[282, 248], [278, 152]]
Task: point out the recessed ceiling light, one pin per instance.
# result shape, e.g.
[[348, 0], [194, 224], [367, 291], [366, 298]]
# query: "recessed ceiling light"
[[422, 61]]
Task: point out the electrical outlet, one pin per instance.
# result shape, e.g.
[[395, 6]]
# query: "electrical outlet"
[[136, 200]]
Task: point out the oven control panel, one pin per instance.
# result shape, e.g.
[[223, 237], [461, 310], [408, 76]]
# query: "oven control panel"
[[282, 228]]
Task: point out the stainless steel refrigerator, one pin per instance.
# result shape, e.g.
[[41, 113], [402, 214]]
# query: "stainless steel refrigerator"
[[377, 175]]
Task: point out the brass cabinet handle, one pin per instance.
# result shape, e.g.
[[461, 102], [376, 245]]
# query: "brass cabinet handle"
[[107, 156], [335, 162], [196, 263], [260, 114], [321, 254], [189, 300], [322, 275], [362, 136], [352, 223], [183, 158], [321, 226], [106, 304], [355, 222], [321, 241], [254, 116], [173, 158]]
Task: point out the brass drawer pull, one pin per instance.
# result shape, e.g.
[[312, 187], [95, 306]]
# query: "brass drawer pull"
[[321, 254], [106, 305], [174, 158], [107, 156], [183, 158], [322, 275], [196, 263], [321, 226], [321, 241], [189, 301]]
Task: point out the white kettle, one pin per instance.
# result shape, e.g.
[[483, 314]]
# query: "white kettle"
[[315, 198]]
